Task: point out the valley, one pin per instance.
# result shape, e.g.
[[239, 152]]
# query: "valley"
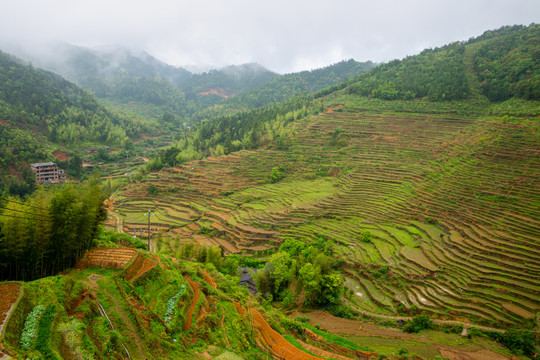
[[356, 211]]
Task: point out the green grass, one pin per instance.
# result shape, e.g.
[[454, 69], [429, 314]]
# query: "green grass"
[[336, 339], [296, 344], [391, 346]]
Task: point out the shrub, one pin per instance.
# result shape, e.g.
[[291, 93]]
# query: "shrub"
[[365, 236], [418, 324]]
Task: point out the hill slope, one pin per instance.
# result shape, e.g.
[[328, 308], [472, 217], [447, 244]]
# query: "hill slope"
[[430, 213], [503, 64], [38, 106]]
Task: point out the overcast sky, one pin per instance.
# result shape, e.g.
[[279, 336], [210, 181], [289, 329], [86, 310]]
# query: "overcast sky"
[[282, 35]]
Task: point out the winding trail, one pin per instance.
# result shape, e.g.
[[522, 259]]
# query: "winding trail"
[[10, 292], [437, 321], [224, 331]]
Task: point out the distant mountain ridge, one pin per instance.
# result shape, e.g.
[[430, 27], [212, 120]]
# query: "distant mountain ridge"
[[38, 107]]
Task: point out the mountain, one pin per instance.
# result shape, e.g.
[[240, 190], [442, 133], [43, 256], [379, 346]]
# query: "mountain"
[[283, 87], [400, 200], [499, 65], [230, 80], [428, 203], [307, 82], [85, 66], [39, 107]]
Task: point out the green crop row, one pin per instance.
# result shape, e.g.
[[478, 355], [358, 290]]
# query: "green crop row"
[[44, 332], [171, 304], [29, 330]]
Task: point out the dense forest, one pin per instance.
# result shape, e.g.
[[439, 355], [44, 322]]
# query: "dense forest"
[[508, 62], [46, 233], [50, 108], [505, 62]]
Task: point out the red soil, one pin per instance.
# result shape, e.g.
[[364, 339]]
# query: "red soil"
[[219, 92], [10, 293], [320, 352], [209, 279], [276, 343], [62, 156], [148, 264], [193, 302], [334, 107], [240, 308]]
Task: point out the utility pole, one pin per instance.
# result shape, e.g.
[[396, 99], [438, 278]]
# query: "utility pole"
[[149, 213]]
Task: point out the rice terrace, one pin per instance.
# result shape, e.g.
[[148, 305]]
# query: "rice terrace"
[[360, 211], [430, 212]]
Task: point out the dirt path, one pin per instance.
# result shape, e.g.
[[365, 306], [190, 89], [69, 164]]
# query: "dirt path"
[[437, 321], [9, 293], [193, 302], [137, 352], [223, 327]]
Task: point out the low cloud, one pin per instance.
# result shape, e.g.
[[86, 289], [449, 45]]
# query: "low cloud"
[[284, 36]]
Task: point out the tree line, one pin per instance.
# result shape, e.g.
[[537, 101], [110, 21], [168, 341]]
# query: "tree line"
[[242, 130], [47, 232]]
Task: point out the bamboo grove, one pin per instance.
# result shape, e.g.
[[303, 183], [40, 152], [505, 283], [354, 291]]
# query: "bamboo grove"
[[47, 232]]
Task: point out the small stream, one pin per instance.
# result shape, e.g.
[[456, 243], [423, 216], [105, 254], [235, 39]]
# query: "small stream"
[[103, 313]]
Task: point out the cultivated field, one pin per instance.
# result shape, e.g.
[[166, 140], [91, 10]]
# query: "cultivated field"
[[451, 206]]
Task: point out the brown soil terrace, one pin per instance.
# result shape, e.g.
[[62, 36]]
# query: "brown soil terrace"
[[193, 302], [107, 258], [9, 292]]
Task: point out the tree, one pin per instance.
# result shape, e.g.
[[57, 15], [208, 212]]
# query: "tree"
[[332, 288], [282, 270], [417, 324], [311, 277]]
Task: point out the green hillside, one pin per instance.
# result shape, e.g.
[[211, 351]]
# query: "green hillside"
[[38, 106], [503, 63], [304, 82], [392, 215], [431, 205]]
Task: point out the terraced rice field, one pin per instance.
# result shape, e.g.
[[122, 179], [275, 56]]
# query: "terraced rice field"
[[272, 340], [107, 258], [452, 204]]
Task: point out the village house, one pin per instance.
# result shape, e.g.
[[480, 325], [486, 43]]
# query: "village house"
[[48, 172]]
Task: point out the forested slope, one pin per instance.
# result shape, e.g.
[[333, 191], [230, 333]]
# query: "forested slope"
[[36, 106], [505, 62]]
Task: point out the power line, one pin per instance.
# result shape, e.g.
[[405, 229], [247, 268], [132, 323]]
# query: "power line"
[[20, 203], [12, 216], [27, 213]]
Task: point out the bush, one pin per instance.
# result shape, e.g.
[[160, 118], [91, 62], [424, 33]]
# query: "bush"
[[417, 324], [516, 341]]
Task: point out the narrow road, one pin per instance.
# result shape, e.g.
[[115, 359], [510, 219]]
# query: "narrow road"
[[437, 321]]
